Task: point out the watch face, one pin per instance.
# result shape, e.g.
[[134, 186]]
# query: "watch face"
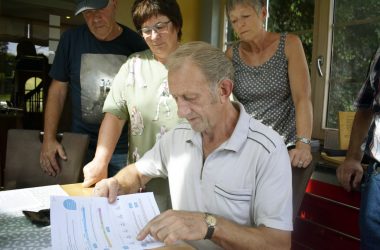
[[211, 220]]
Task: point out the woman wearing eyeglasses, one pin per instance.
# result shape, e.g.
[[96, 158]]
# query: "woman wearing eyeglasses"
[[140, 93]]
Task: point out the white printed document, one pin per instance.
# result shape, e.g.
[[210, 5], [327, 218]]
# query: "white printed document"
[[32, 199], [94, 223]]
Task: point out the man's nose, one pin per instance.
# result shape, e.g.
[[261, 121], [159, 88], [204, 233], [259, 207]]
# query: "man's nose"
[[183, 109]]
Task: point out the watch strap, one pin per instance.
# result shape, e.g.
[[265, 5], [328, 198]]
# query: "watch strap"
[[210, 232]]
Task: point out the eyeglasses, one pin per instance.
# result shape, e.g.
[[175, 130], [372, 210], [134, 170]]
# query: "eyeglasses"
[[161, 27]]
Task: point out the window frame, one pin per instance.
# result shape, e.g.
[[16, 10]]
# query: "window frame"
[[322, 45]]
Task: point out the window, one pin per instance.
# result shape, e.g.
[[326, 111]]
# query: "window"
[[295, 17], [7, 69], [347, 33], [355, 38], [7, 65]]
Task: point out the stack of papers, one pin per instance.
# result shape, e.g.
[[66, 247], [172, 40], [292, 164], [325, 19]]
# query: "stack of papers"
[[94, 223]]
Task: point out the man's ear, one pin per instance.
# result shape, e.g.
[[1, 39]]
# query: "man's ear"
[[225, 89]]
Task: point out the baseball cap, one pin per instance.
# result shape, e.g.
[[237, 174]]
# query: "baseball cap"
[[83, 5]]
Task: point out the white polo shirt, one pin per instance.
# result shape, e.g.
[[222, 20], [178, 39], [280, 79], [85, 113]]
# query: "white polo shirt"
[[247, 179]]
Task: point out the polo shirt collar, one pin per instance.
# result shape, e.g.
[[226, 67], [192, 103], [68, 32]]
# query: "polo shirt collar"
[[240, 134]]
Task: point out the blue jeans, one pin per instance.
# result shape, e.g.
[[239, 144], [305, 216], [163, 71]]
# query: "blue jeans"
[[117, 162], [370, 208]]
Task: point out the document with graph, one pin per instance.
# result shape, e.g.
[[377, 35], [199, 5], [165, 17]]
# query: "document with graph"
[[93, 223]]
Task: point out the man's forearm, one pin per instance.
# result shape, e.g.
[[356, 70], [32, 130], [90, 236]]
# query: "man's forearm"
[[360, 127], [230, 235], [53, 110], [130, 179]]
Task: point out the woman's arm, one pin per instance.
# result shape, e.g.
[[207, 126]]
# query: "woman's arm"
[[109, 134], [300, 86]]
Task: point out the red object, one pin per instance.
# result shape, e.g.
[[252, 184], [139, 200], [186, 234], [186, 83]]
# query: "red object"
[[328, 218]]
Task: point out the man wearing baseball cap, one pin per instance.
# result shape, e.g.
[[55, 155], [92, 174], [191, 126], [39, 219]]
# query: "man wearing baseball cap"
[[86, 61], [90, 5]]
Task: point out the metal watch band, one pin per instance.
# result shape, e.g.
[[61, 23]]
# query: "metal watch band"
[[303, 140]]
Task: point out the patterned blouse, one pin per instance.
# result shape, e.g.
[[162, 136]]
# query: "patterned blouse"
[[264, 91]]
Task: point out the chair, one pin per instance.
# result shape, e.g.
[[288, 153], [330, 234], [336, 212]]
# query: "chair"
[[300, 179], [22, 167]]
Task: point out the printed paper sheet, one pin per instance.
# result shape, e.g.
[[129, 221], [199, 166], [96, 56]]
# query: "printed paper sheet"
[[94, 223]]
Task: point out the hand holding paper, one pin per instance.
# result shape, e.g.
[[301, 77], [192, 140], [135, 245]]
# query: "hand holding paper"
[[92, 222]]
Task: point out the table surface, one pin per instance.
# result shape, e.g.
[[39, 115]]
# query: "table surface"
[[335, 160], [77, 190]]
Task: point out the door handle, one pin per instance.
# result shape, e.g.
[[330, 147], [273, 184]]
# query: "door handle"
[[319, 65]]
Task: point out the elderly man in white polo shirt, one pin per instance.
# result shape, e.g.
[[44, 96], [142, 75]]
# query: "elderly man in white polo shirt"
[[229, 175]]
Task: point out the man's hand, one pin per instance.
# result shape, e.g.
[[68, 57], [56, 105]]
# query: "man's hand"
[[350, 174], [94, 172], [300, 156], [48, 157], [172, 226], [108, 188]]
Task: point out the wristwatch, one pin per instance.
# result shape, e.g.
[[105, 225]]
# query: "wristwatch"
[[303, 140], [211, 223]]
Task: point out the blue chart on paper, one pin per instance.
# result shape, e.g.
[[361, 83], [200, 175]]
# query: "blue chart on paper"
[[70, 204]]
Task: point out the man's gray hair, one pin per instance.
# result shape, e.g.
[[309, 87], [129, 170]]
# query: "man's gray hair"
[[212, 62]]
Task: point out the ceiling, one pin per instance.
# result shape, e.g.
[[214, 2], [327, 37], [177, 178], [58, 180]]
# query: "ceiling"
[[39, 10]]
